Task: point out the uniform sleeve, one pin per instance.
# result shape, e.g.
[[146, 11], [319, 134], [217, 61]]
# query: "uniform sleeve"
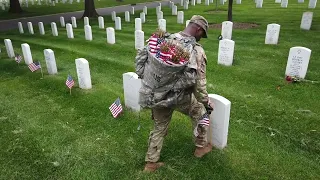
[[140, 60], [200, 90]]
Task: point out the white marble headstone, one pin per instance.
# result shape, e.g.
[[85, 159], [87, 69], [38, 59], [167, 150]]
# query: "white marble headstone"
[[26, 53], [132, 10], [62, 22], [162, 24], [187, 22], [180, 17], [219, 121], [86, 21], [306, 20], [69, 31], [284, 3], [226, 51], [300, 1], [50, 61], [174, 10], [138, 25], [41, 28], [312, 4], [131, 86], [20, 28], [83, 72], [159, 16], [127, 16], [198, 1], [118, 23], [145, 10], [278, 1], [74, 22], [54, 29], [272, 34], [30, 27], [113, 15], [9, 48], [143, 17], [193, 2], [259, 3], [111, 38], [88, 32], [181, 2], [186, 6], [226, 30], [238, 2], [206, 2], [139, 39], [298, 62], [101, 22]]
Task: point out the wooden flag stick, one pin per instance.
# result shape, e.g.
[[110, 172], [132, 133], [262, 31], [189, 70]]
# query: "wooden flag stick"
[[70, 91], [41, 72]]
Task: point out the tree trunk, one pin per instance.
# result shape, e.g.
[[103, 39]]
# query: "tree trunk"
[[230, 10], [89, 9], [15, 7]]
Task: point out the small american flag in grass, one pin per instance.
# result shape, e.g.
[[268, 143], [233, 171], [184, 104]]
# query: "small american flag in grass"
[[18, 58], [34, 66], [116, 108], [70, 82]]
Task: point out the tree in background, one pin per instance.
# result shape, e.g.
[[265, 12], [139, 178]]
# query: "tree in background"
[[230, 10], [15, 7], [89, 9]]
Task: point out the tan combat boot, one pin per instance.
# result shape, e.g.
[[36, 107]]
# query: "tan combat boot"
[[152, 166], [201, 151]]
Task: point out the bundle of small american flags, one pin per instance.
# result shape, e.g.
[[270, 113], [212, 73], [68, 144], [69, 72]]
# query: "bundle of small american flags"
[[165, 51]]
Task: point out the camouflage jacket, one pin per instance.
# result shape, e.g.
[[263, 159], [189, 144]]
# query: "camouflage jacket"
[[193, 79]]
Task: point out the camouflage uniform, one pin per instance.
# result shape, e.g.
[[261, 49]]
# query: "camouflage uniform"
[[190, 101]]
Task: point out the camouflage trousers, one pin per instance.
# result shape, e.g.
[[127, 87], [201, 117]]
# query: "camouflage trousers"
[[162, 117]]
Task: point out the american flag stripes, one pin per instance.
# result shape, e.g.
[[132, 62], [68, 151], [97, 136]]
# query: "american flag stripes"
[[70, 82], [18, 58], [204, 120], [34, 66], [116, 108]]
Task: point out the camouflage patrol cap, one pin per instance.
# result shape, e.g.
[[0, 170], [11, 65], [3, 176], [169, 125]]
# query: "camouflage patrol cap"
[[202, 22]]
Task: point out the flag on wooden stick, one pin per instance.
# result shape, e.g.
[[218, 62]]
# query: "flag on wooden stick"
[[18, 58], [70, 82], [116, 108], [34, 66]]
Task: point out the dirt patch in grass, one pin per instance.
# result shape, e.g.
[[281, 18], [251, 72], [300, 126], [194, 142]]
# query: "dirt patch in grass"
[[236, 25]]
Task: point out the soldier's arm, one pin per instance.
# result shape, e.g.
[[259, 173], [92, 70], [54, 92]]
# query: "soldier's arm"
[[140, 60], [200, 90]]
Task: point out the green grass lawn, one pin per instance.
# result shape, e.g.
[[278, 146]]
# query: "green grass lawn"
[[274, 134], [36, 10]]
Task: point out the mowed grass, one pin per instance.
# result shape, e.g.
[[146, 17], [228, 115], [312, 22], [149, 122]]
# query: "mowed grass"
[[273, 133], [43, 9]]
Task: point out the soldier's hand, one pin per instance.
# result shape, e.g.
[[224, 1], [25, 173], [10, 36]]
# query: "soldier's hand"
[[209, 107]]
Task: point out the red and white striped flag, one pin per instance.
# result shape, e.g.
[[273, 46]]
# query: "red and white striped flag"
[[116, 108], [34, 66]]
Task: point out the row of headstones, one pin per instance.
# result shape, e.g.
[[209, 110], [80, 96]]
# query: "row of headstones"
[[218, 132], [25, 3], [298, 59], [284, 3], [82, 64], [219, 118]]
